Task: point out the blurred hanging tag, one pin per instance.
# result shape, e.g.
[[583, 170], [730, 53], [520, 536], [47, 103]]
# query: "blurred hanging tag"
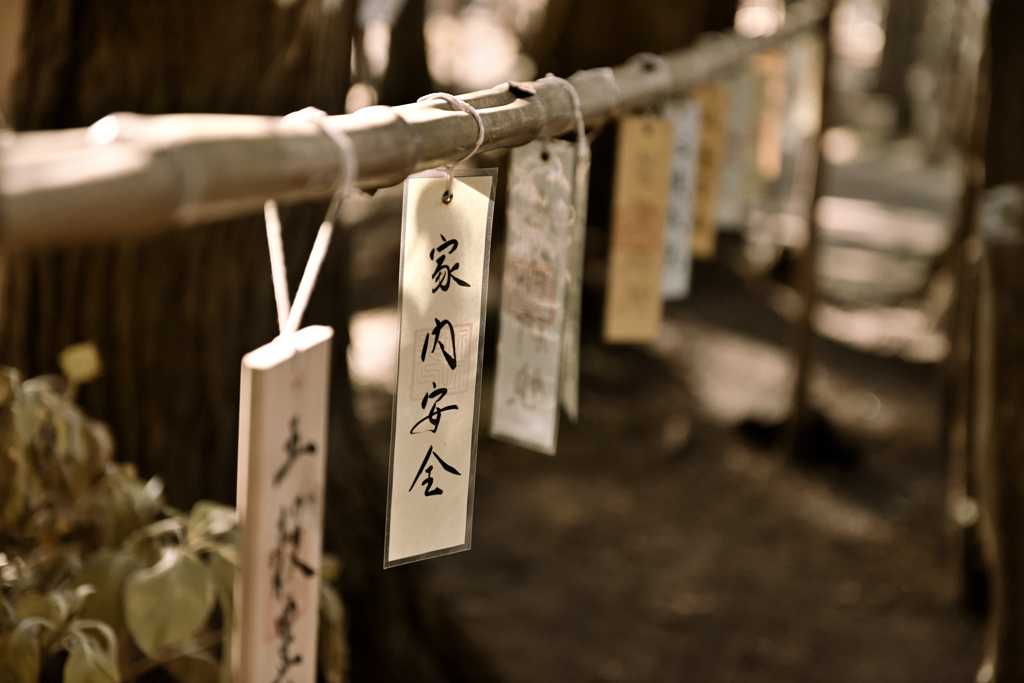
[[676, 273], [739, 150], [282, 446], [633, 303], [537, 246], [442, 299], [714, 100], [771, 66], [570, 384], [795, 187]]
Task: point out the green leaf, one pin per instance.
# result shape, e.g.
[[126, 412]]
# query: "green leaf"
[[330, 568], [106, 571], [88, 662], [170, 602], [197, 667], [14, 505], [146, 498], [210, 520], [28, 414], [52, 608], [223, 563], [21, 653]]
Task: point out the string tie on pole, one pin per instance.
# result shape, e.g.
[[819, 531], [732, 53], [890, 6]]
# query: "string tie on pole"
[[289, 317], [449, 169], [577, 112]]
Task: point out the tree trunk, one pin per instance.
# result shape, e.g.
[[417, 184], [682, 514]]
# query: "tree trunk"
[[1004, 151], [173, 316], [407, 78], [902, 26], [999, 445], [998, 430]]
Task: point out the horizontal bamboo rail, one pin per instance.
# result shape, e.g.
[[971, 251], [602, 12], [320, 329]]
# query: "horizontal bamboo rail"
[[130, 175]]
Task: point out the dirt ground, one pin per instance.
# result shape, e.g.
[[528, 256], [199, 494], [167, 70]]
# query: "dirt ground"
[[661, 544]]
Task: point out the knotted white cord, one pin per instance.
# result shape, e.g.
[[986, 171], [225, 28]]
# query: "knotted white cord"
[[577, 110], [449, 169], [290, 317]]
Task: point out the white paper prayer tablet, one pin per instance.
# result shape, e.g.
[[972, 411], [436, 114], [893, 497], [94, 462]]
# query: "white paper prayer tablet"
[[442, 300], [570, 384], [537, 244], [715, 101], [643, 169], [282, 446], [678, 258]]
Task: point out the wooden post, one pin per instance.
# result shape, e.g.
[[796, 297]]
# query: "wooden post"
[[808, 264], [962, 262]]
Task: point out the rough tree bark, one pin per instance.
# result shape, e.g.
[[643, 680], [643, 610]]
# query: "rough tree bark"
[[174, 315], [407, 78]]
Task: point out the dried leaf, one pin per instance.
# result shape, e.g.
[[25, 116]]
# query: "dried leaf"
[[80, 362], [170, 602]]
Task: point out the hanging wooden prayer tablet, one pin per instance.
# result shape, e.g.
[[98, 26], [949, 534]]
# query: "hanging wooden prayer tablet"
[[678, 258], [442, 300], [633, 303], [771, 66], [537, 244], [282, 446], [715, 101], [570, 384]]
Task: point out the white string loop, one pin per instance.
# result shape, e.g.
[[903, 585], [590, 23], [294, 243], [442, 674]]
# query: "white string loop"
[[277, 267], [449, 169], [289, 317], [348, 161], [577, 112]]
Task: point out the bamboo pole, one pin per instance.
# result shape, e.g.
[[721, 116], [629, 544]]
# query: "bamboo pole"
[[129, 175]]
